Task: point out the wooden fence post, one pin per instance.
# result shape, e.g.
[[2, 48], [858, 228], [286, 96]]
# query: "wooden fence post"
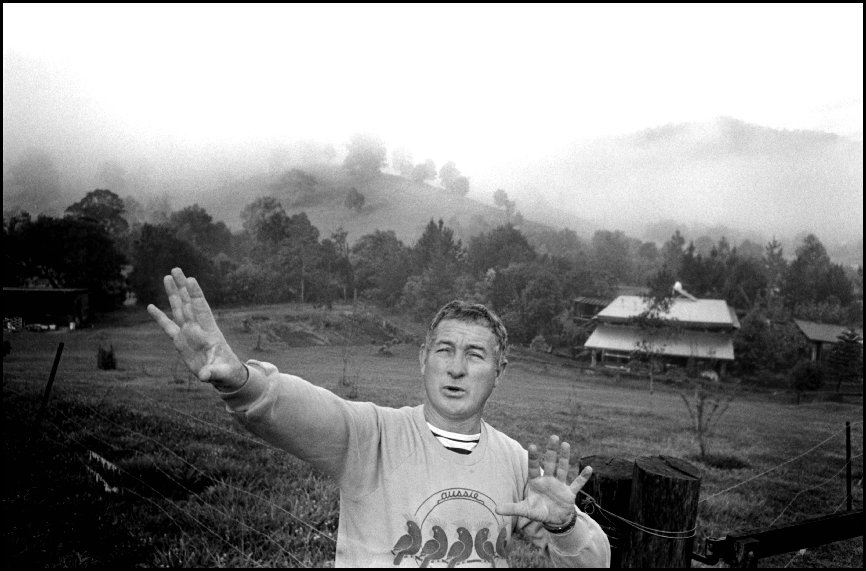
[[45, 395], [610, 486], [664, 498]]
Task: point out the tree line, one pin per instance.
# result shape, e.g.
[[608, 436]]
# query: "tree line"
[[529, 277]]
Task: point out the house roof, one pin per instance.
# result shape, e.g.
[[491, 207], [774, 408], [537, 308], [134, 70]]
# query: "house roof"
[[822, 332], [676, 343], [704, 313]]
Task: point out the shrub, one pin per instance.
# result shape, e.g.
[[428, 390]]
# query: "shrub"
[[806, 376]]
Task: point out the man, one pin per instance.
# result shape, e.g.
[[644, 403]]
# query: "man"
[[431, 484]]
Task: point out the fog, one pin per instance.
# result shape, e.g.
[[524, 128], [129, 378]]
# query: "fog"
[[586, 118]]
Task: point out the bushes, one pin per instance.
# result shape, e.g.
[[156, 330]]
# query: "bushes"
[[806, 376]]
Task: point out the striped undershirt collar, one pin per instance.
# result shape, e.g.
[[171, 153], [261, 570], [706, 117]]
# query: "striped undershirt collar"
[[459, 443]]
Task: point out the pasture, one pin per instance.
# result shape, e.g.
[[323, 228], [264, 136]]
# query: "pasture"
[[141, 466]]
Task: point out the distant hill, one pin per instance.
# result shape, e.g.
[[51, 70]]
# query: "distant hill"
[[752, 179], [391, 203]]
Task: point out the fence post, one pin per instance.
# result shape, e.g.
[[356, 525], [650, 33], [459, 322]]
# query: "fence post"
[[848, 497], [664, 498], [610, 486], [50, 383]]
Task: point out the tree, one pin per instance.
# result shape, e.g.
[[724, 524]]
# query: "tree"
[[461, 186], [763, 344], [611, 253], [706, 405], [64, 252], [437, 244], [806, 376], [103, 207], [401, 161], [193, 224], [424, 171], [265, 221], [448, 174], [672, 253], [500, 199], [498, 248], [366, 156], [156, 251], [354, 200], [381, 265], [812, 277], [846, 359]]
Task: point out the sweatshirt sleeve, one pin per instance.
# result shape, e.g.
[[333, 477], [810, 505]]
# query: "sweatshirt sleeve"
[[307, 421], [585, 545]]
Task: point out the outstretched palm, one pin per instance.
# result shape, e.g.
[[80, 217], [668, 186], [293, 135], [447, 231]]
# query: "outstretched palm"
[[548, 498], [195, 333]]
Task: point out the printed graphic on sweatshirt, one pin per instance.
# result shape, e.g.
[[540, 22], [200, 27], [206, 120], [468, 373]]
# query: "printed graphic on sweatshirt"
[[453, 527]]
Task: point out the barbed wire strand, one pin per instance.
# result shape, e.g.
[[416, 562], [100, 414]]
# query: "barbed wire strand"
[[185, 488], [815, 487], [247, 492], [666, 534], [210, 424], [157, 492], [765, 472], [298, 519]]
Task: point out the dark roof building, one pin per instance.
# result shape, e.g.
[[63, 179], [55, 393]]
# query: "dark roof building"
[[822, 335]]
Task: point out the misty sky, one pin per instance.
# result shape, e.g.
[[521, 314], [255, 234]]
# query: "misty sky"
[[483, 85]]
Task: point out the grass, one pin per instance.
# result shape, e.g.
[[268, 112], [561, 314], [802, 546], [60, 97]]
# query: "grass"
[[193, 489]]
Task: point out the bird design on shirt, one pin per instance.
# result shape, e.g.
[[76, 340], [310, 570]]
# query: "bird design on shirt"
[[408, 544], [460, 549], [435, 548], [502, 547], [484, 548]]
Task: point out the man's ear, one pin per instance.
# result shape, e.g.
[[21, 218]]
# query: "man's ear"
[[499, 373], [422, 357]]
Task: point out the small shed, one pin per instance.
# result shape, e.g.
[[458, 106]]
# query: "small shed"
[[822, 336], [45, 305]]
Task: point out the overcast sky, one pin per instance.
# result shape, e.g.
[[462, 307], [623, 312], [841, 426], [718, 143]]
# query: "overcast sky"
[[478, 84]]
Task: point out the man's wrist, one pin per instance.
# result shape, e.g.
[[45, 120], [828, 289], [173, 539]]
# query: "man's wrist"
[[559, 530]]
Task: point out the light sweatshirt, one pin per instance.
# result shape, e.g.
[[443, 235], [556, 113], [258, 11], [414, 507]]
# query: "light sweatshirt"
[[405, 500]]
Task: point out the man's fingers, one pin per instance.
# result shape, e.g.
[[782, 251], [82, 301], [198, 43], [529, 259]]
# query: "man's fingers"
[[169, 326], [200, 306], [550, 455], [564, 462], [173, 298], [520, 510], [534, 462], [581, 480]]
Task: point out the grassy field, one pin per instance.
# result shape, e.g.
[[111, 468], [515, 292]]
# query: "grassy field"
[[141, 466]]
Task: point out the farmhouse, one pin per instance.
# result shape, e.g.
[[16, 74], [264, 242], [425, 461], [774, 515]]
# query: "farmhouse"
[[822, 336], [694, 332], [44, 305]]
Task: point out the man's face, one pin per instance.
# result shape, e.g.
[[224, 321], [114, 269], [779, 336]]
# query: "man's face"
[[460, 370]]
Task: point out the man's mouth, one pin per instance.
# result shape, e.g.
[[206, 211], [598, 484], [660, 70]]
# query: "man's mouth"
[[454, 391]]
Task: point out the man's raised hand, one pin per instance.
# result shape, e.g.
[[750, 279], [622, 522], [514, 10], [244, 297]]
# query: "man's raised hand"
[[549, 499], [195, 334]]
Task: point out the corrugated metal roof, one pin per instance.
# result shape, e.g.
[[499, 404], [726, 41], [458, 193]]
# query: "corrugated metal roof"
[[713, 313], [677, 343], [822, 332]]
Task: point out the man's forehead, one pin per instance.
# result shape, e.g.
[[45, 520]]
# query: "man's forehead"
[[473, 332]]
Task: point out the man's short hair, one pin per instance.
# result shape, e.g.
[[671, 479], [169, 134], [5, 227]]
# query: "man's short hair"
[[473, 313]]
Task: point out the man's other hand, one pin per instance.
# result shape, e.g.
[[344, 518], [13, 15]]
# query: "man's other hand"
[[195, 334], [549, 499]]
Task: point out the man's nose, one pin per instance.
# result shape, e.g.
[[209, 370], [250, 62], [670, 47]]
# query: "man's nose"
[[457, 366]]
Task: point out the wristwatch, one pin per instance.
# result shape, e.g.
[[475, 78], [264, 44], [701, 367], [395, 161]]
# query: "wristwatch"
[[564, 528]]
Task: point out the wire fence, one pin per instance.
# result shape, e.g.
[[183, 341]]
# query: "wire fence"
[[177, 514]]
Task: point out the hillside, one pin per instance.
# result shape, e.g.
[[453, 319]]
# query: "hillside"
[[391, 203]]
